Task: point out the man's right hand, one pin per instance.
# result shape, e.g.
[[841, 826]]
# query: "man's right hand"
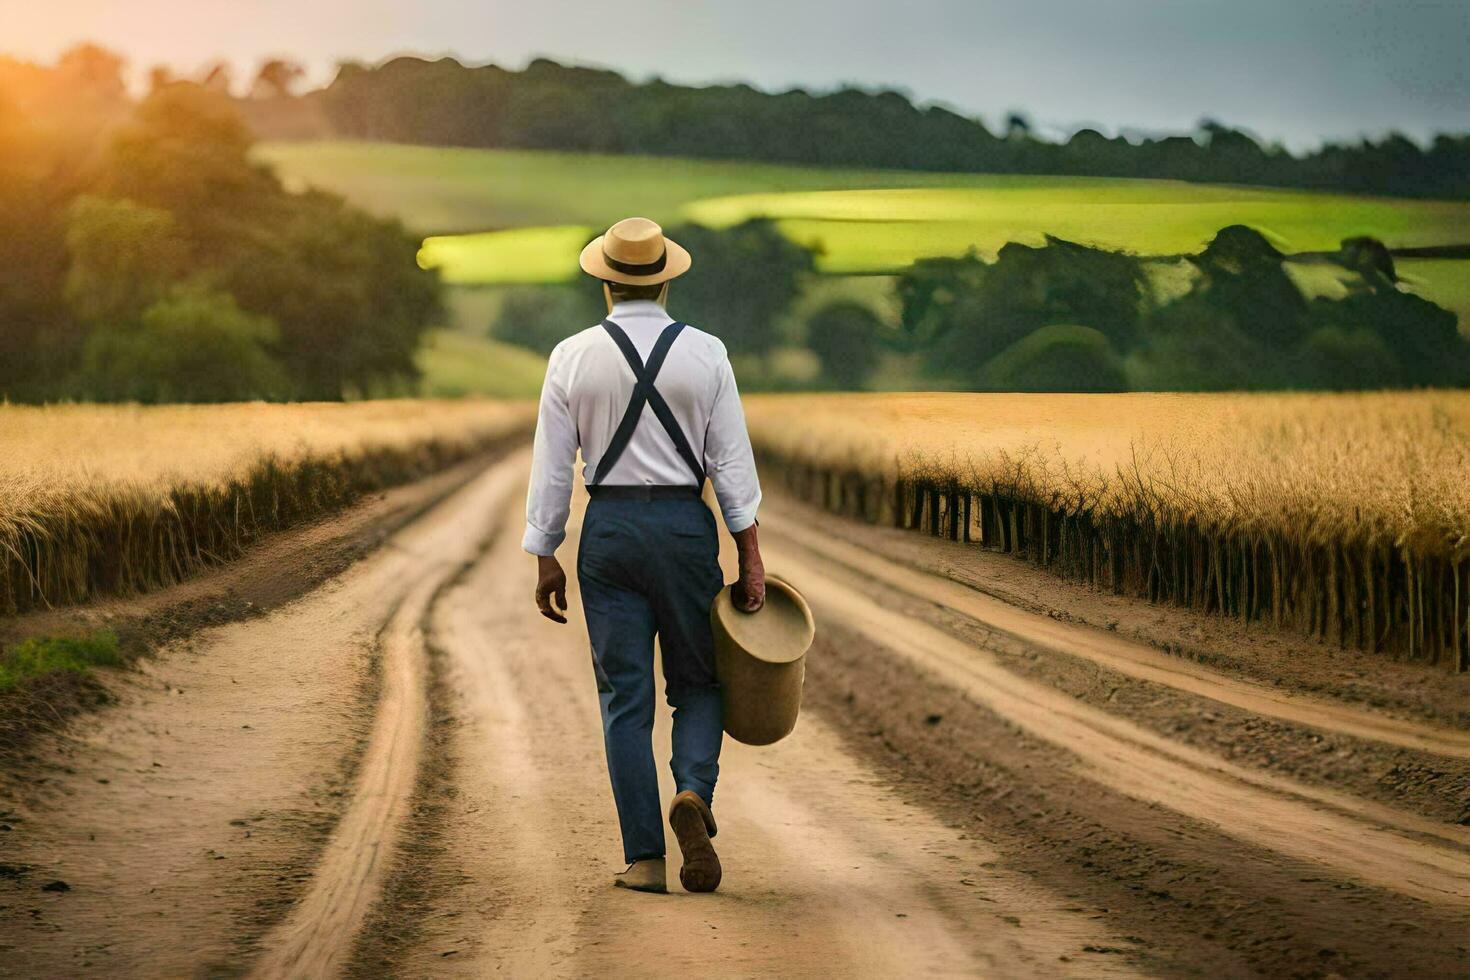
[[749, 591], [551, 581]]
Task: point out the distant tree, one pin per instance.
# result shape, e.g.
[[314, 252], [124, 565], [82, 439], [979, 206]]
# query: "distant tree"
[[1090, 152], [106, 218], [1369, 258], [743, 280], [38, 344], [939, 295], [563, 105], [1244, 279], [217, 77], [962, 312], [1190, 345], [160, 76], [343, 287], [124, 257], [276, 79], [540, 317], [573, 108], [1060, 357], [1422, 340], [1245, 324], [186, 151], [1068, 283], [1346, 359], [192, 345], [1234, 155], [94, 70], [846, 336], [1175, 156]]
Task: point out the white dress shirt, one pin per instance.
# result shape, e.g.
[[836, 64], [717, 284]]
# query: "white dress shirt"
[[587, 389]]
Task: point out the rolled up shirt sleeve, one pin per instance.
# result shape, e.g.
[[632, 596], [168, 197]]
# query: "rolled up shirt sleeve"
[[728, 458], [553, 459]]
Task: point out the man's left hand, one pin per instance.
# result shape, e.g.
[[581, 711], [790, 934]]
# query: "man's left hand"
[[551, 582], [749, 592]]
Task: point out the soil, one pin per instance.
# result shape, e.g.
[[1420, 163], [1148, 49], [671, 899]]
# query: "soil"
[[828, 872], [1420, 766], [1270, 658], [190, 815], [995, 773], [279, 567], [1193, 900]]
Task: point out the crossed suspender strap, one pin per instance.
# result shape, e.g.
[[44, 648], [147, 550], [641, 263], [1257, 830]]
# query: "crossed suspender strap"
[[644, 393]]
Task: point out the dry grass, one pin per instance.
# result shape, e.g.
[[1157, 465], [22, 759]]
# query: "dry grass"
[[1346, 515], [122, 498]]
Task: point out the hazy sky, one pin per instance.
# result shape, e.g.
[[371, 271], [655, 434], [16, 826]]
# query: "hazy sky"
[[1298, 70]]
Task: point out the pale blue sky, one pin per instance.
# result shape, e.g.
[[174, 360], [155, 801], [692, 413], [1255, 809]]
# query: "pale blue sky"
[[1299, 70]]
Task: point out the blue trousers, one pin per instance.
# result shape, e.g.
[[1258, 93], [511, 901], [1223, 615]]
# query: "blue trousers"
[[645, 568]]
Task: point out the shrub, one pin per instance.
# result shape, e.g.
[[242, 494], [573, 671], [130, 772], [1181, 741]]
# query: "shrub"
[[1345, 359], [124, 256], [846, 336], [1244, 280], [1193, 346], [540, 317], [102, 224], [743, 280], [1061, 357], [193, 345], [962, 311], [1420, 337]]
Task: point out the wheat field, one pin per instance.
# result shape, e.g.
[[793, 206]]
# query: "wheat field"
[[1347, 516], [116, 499]]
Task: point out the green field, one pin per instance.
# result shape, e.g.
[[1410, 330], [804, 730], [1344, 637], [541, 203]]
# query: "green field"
[[456, 364], [1444, 281], [501, 216], [443, 190], [885, 230]]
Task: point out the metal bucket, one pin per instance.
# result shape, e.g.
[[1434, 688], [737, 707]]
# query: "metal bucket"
[[761, 661]]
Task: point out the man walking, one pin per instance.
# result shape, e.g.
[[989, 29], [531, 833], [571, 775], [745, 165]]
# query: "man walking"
[[652, 404]]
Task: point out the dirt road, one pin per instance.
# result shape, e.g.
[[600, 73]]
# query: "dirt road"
[[402, 773]]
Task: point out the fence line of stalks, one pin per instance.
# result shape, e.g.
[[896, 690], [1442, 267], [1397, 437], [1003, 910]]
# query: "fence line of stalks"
[[123, 539], [1402, 598]]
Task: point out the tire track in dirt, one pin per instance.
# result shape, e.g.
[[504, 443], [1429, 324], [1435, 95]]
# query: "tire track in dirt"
[[1369, 842], [317, 937], [1199, 902], [188, 818], [1131, 658], [321, 927]]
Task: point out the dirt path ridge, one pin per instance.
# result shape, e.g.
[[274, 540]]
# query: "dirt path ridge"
[[317, 938], [1397, 851], [1132, 658]]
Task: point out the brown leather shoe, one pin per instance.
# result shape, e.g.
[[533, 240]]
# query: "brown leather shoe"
[[694, 825], [647, 875]]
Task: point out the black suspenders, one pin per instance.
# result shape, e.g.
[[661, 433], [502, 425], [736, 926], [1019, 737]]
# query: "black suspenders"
[[645, 393]]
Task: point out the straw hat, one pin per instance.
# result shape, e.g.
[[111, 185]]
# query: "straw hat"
[[634, 251]]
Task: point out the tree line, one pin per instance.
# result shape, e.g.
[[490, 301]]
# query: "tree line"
[[1057, 317], [1068, 317], [147, 258], [557, 107]]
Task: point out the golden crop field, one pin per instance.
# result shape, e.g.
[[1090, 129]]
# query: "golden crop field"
[[114, 499], [1345, 515]]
